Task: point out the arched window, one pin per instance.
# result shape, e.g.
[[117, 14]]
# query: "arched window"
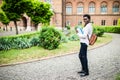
[[92, 7], [68, 8], [115, 7], [103, 7], [80, 8]]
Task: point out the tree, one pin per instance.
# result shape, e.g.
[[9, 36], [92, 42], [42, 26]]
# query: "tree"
[[4, 19], [40, 12], [14, 10], [118, 23]]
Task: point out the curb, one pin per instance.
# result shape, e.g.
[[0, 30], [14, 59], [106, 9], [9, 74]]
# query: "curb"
[[49, 57]]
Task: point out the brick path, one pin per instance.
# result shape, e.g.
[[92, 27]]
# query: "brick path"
[[104, 63]]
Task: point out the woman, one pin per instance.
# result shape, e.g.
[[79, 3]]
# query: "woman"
[[84, 34]]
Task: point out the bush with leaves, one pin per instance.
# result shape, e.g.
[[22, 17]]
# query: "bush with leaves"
[[112, 29], [21, 43], [99, 31], [5, 44], [34, 41], [73, 37], [49, 38], [68, 27], [64, 39]]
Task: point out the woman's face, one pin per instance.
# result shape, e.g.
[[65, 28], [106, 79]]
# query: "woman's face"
[[86, 20]]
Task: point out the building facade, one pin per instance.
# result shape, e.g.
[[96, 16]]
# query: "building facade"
[[70, 12], [103, 12]]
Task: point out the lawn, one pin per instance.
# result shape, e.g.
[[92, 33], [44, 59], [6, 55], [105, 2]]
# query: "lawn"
[[117, 77], [20, 55]]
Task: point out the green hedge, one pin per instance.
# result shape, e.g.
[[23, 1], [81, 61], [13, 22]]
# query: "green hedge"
[[98, 31], [109, 29], [20, 41], [112, 29], [48, 38]]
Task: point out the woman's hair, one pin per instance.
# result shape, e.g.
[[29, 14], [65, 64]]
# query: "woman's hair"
[[87, 15]]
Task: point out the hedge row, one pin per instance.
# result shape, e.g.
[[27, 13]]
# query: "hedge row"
[[18, 41], [48, 38]]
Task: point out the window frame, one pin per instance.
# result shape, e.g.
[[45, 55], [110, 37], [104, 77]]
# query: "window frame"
[[91, 7]]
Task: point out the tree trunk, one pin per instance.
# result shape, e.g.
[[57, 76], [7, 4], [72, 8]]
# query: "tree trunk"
[[36, 26], [16, 27]]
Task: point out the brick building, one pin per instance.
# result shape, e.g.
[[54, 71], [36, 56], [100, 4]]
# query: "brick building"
[[103, 12], [70, 12]]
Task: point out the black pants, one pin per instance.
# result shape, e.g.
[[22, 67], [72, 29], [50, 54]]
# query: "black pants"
[[83, 57]]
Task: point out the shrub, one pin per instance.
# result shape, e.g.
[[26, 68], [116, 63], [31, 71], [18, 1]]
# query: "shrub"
[[49, 38], [5, 44], [73, 37], [117, 76], [99, 31], [118, 23], [34, 41], [112, 29], [109, 29], [68, 27], [64, 39], [21, 43]]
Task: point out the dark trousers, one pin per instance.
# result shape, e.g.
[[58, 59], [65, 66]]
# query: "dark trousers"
[[83, 57]]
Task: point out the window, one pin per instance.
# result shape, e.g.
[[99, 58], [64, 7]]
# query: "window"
[[103, 7], [115, 7], [80, 8], [67, 22], [91, 7], [68, 8], [103, 22], [49, 1], [114, 22]]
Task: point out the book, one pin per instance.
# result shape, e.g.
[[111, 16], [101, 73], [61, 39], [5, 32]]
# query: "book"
[[80, 30]]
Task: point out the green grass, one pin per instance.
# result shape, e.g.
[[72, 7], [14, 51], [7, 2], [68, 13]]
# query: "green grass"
[[117, 77], [14, 55]]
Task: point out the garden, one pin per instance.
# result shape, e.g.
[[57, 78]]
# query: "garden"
[[49, 41]]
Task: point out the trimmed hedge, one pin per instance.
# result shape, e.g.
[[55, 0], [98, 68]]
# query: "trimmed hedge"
[[109, 29], [20, 41], [99, 31], [112, 29]]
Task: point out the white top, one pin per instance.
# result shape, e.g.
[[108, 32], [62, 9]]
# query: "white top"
[[87, 30]]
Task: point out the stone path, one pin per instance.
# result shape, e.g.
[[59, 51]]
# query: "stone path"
[[104, 63]]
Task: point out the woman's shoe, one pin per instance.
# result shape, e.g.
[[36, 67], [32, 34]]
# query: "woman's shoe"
[[84, 74], [81, 71]]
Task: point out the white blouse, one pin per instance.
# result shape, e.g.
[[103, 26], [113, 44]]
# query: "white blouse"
[[87, 31]]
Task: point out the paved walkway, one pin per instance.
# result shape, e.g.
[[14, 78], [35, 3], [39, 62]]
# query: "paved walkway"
[[104, 63], [10, 33]]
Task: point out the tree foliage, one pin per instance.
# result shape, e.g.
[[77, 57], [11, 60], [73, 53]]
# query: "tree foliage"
[[4, 19], [40, 12], [13, 10]]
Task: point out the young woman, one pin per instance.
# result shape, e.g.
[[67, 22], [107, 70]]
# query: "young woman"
[[86, 32]]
